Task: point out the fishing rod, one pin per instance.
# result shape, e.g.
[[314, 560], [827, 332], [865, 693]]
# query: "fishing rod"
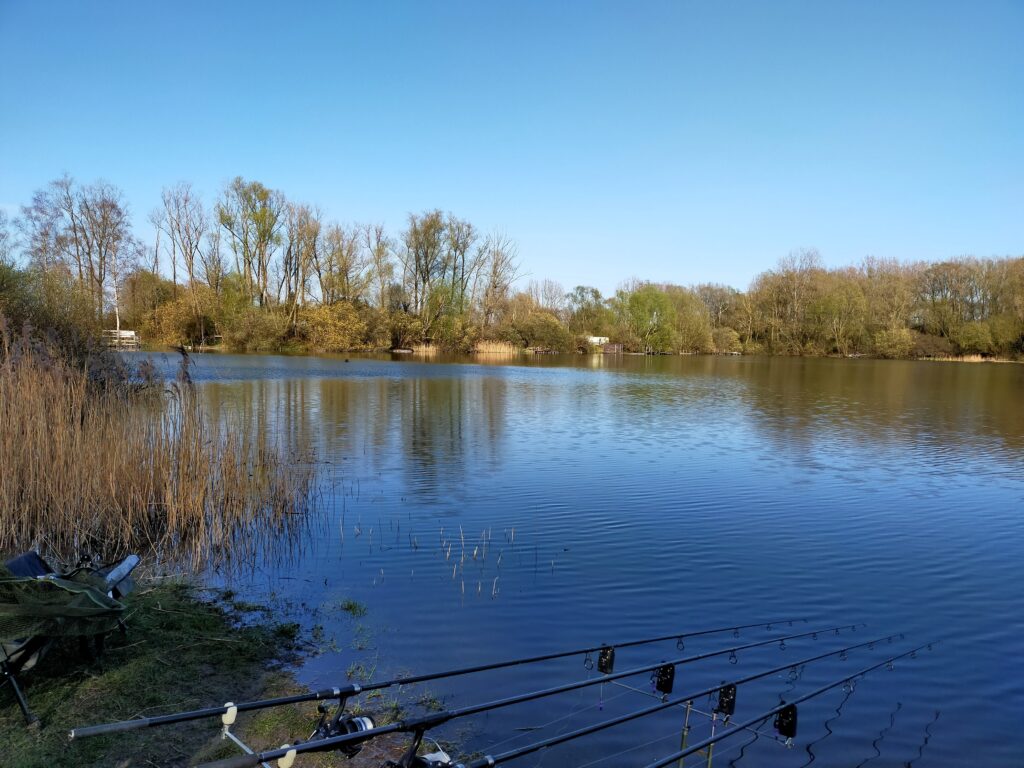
[[730, 697], [420, 725], [785, 713], [344, 692]]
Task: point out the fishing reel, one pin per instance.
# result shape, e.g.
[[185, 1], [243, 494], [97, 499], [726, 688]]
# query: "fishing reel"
[[438, 759], [341, 724]]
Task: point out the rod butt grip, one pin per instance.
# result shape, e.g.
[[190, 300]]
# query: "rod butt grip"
[[101, 730]]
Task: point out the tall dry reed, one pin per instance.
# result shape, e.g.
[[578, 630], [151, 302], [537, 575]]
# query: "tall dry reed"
[[502, 348], [104, 465]]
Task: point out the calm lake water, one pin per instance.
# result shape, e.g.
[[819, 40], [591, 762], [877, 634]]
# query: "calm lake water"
[[607, 499]]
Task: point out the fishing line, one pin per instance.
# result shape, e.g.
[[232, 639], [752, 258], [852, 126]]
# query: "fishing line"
[[927, 738], [881, 736], [559, 719], [681, 705], [790, 706], [811, 757], [758, 733], [421, 724], [625, 751], [491, 760]]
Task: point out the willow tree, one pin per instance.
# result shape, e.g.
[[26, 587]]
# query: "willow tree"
[[253, 216]]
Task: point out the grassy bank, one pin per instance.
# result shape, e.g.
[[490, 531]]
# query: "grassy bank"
[[185, 648]]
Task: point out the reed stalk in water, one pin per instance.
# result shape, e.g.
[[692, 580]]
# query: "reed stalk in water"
[[104, 465]]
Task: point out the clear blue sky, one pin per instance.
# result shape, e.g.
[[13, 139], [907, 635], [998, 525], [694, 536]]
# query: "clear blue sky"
[[678, 141]]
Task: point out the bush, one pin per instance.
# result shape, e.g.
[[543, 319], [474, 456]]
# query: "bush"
[[255, 330], [726, 340], [894, 343], [1007, 334], [331, 328], [378, 333], [927, 345], [973, 339], [544, 331], [404, 329], [456, 334]]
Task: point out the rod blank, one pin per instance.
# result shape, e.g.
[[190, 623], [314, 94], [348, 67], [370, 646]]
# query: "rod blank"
[[352, 690], [430, 721]]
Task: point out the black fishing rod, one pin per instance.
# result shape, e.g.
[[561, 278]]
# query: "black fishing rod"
[[353, 689], [785, 712], [490, 760], [420, 725]]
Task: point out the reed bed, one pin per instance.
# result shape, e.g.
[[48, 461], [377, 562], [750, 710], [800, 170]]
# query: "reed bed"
[[502, 348], [103, 465]]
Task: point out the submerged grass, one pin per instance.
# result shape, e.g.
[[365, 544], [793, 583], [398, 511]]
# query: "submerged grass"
[[106, 465]]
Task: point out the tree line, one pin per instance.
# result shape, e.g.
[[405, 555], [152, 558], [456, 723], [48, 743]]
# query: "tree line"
[[253, 270]]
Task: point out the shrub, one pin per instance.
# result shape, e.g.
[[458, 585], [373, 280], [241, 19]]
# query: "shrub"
[[331, 328], [726, 340], [255, 330], [893, 343], [973, 339], [928, 345], [544, 331], [404, 329]]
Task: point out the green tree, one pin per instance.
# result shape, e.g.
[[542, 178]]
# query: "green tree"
[[253, 216], [647, 318], [588, 314]]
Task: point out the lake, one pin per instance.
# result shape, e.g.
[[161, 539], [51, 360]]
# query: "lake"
[[482, 511]]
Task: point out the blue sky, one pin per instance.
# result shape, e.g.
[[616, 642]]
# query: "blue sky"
[[680, 141]]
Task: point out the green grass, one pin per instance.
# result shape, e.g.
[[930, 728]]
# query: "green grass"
[[186, 648], [181, 652]]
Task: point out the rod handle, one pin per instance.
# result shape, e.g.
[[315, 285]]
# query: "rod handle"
[[100, 730]]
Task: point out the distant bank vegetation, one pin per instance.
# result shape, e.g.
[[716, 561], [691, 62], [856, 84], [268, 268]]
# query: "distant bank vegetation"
[[253, 271]]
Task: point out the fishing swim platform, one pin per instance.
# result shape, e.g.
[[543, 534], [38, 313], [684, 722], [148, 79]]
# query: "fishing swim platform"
[[119, 339]]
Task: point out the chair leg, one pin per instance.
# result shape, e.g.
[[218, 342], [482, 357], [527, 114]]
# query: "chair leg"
[[30, 717]]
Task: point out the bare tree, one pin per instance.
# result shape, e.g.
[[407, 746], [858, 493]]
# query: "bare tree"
[[547, 294], [41, 226], [341, 265], [158, 218], [499, 270], [123, 258], [302, 251], [6, 240], [423, 256], [185, 221], [461, 262], [379, 250], [212, 260]]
